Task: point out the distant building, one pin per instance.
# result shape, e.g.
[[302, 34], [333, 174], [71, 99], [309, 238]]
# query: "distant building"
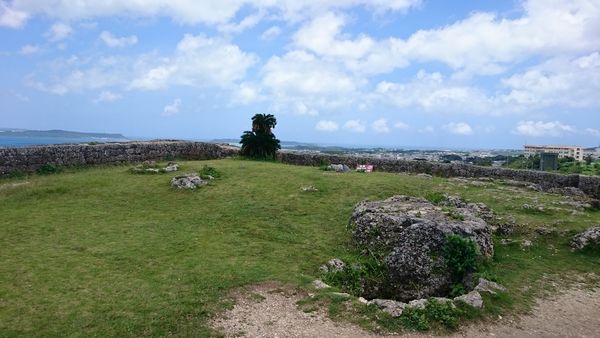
[[575, 152], [595, 152]]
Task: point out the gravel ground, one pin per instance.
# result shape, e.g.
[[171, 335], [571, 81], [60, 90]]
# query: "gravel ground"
[[269, 310]]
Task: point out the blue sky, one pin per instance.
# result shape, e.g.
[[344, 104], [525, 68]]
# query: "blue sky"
[[471, 74]]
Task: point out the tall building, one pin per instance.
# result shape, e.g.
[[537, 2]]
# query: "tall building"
[[575, 152]]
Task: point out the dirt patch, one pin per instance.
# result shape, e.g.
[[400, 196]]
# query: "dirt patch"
[[270, 310], [12, 185]]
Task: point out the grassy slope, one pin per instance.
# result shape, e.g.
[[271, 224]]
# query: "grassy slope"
[[102, 252]]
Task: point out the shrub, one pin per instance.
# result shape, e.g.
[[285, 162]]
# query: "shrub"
[[48, 169], [435, 197], [355, 277], [461, 256], [209, 171], [436, 313]]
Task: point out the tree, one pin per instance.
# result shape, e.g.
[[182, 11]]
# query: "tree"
[[260, 142], [588, 159]]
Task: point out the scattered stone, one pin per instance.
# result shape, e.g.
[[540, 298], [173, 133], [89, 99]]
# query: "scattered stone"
[[309, 188], [424, 175], [362, 300], [545, 231], [340, 168], [410, 233], [189, 181], [472, 298], [479, 183], [587, 238], [417, 304], [533, 207], [507, 241], [525, 244], [567, 191], [393, 307], [319, 284], [341, 294], [209, 177], [336, 264], [323, 269], [578, 205], [171, 166], [489, 286]]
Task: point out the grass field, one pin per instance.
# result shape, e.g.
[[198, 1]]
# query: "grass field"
[[103, 252]]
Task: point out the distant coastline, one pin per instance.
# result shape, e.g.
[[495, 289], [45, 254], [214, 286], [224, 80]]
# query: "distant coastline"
[[23, 137]]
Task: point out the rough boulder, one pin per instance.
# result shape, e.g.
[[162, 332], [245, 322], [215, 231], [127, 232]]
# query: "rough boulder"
[[587, 238], [409, 234]]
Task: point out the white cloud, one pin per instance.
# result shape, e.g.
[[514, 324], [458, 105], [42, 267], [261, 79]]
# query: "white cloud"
[[172, 109], [247, 22], [432, 92], [401, 126], [459, 128], [271, 33], [113, 41], [58, 32], [592, 132], [248, 93], [29, 49], [380, 126], [356, 126], [427, 130], [10, 17], [327, 126], [107, 96], [541, 128], [212, 12], [19, 96], [198, 61]]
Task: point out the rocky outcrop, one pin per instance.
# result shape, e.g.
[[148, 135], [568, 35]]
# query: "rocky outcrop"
[[409, 234], [587, 238], [189, 181]]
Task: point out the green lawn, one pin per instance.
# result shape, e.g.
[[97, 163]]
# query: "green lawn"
[[103, 252]]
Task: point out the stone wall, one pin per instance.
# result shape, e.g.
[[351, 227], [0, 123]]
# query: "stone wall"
[[588, 184], [29, 159]]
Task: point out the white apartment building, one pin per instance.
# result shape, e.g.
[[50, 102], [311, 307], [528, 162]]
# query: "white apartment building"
[[563, 151]]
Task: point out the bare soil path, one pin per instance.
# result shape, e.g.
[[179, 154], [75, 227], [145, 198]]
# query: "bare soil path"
[[268, 311]]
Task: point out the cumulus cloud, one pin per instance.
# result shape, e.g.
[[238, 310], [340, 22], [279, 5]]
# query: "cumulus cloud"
[[113, 41], [541, 128], [380, 126], [212, 12], [356, 126], [459, 128], [58, 32], [327, 126], [401, 126], [198, 61], [172, 109], [271, 33], [107, 96], [10, 17], [29, 49]]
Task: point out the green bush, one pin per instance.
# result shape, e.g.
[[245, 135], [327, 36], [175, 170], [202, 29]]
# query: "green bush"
[[415, 319], [461, 256], [354, 277], [48, 169], [435, 197], [435, 313], [207, 171]]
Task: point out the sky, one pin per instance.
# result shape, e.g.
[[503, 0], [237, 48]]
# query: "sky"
[[403, 73]]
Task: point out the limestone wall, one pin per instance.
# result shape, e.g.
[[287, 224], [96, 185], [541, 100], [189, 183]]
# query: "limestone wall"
[[29, 159]]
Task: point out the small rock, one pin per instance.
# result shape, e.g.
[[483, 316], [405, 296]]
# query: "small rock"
[[171, 167], [340, 168], [424, 175], [323, 269], [472, 298], [319, 284], [591, 236], [309, 188], [341, 294], [336, 264], [189, 181], [393, 307], [362, 300], [526, 244], [489, 286], [417, 304]]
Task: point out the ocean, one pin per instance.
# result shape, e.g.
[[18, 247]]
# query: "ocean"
[[7, 141]]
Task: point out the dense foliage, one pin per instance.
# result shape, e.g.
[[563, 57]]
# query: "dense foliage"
[[461, 256], [260, 142]]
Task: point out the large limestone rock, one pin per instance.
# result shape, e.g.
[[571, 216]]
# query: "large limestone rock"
[[189, 181], [589, 237], [409, 235]]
